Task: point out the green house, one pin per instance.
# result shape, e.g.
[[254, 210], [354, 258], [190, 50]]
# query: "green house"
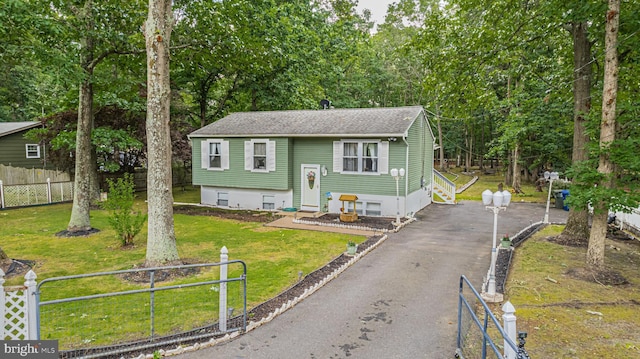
[[307, 159], [15, 150]]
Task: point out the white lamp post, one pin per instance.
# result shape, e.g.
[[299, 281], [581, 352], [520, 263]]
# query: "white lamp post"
[[397, 174], [549, 176], [500, 200]]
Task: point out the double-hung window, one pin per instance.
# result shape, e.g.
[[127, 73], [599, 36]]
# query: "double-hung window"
[[215, 154], [260, 155], [369, 157], [350, 157], [365, 156]]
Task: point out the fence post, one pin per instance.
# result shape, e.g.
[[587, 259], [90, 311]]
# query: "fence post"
[[509, 326], [32, 305], [49, 189], [224, 258], [1, 195]]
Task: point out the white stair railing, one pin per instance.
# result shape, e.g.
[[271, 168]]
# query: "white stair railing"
[[443, 188]]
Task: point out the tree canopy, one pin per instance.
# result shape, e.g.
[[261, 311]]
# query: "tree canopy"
[[516, 83]]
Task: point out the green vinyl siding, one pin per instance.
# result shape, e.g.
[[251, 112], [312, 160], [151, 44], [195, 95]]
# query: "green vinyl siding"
[[320, 151], [236, 176], [420, 162], [13, 152]]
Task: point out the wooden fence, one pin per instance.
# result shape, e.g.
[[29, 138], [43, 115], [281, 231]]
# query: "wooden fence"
[[16, 175]]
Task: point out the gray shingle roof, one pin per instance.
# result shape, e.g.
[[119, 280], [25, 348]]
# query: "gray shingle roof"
[[7, 128], [357, 122]]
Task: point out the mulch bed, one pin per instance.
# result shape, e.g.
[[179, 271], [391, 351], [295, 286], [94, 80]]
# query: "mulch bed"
[[381, 223], [239, 215], [14, 267]]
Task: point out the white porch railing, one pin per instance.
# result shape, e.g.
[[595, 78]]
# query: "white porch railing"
[[443, 188]]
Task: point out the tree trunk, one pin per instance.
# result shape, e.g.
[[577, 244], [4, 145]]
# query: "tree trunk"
[[515, 183], [595, 251], [4, 259], [80, 219], [576, 232], [468, 140], [161, 240], [508, 175]]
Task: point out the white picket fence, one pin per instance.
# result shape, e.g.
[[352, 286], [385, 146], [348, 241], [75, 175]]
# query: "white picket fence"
[[629, 221], [18, 309], [34, 194]]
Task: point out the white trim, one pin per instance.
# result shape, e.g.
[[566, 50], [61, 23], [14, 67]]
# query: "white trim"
[[37, 150], [205, 147], [337, 156], [270, 157], [382, 156], [305, 204]]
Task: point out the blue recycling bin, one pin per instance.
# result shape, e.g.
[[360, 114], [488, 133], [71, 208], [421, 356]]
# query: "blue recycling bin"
[[565, 194]]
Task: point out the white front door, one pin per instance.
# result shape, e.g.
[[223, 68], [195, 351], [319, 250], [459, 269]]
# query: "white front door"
[[310, 188]]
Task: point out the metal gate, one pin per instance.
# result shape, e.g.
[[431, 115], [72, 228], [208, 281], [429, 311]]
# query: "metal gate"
[[142, 310], [479, 331]]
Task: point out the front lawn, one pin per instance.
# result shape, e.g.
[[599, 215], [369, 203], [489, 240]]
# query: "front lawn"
[[567, 315], [275, 257]]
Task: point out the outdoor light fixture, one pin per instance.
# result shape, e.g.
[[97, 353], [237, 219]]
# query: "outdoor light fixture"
[[495, 202], [397, 174], [549, 176]]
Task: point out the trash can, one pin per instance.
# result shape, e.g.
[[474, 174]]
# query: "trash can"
[[565, 194], [559, 199]]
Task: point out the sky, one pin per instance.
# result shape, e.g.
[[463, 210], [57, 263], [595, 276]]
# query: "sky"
[[378, 8]]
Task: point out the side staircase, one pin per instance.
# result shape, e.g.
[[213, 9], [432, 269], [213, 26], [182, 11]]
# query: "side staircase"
[[444, 191]]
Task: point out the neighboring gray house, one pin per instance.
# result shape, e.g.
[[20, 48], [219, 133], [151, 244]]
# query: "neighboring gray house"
[[15, 150], [306, 159]]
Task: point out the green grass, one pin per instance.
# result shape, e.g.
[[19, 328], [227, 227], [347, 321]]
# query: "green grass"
[[273, 256], [491, 182], [561, 317]]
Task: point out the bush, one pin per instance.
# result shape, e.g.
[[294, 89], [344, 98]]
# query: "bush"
[[122, 219]]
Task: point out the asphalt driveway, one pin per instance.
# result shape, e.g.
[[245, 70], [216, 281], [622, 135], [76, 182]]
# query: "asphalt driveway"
[[399, 301]]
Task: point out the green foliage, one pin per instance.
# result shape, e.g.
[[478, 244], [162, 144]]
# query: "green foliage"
[[109, 145], [122, 219]]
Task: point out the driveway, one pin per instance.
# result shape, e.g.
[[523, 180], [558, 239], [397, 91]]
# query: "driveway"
[[399, 301]]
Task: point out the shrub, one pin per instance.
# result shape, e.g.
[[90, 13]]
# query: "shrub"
[[122, 219]]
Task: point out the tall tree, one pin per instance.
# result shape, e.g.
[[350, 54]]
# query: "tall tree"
[[595, 251], [577, 229], [80, 220], [161, 240], [89, 31]]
